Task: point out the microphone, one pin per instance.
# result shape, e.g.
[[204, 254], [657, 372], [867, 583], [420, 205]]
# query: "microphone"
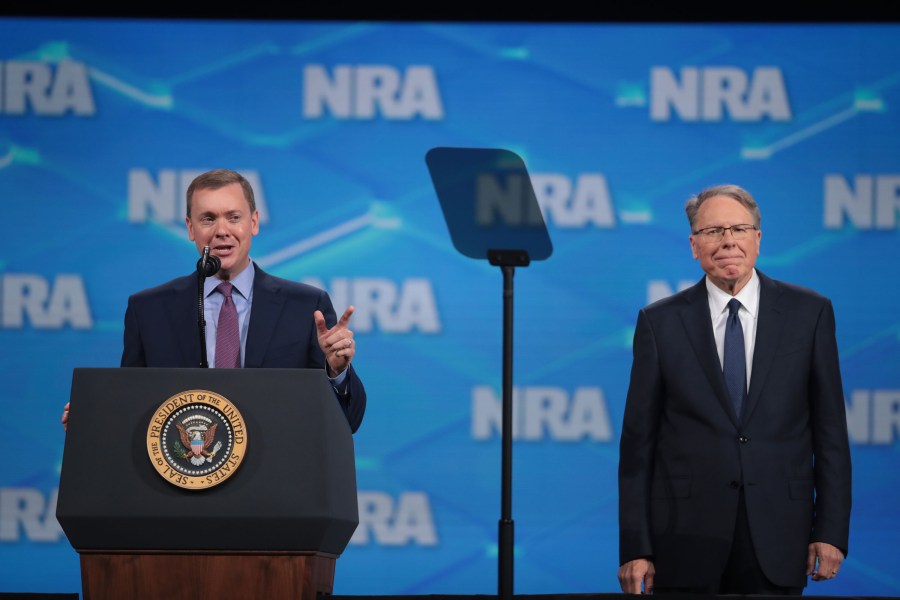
[[208, 265]]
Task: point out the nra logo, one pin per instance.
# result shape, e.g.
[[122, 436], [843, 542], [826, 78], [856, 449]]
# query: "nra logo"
[[873, 417], [404, 520], [868, 202], [367, 91], [162, 196], [45, 89], [566, 202], [28, 298], [385, 305], [28, 514], [717, 93], [543, 413]]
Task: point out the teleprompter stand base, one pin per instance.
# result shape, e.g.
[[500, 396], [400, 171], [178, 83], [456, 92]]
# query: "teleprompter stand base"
[[204, 576]]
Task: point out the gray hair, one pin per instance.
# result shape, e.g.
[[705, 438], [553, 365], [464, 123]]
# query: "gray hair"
[[692, 207]]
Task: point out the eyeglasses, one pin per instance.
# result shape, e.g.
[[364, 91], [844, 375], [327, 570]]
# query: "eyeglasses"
[[715, 234]]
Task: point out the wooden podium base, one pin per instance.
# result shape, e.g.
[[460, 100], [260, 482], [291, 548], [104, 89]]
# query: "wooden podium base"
[[199, 576]]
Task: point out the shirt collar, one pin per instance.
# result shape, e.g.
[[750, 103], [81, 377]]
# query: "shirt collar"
[[242, 284], [748, 296]]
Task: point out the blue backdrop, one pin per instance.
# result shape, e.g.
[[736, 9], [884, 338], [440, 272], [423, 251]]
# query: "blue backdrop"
[[103, 123]]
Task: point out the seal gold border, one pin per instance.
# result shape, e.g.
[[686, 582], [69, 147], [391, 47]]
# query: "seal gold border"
[[201, 400]]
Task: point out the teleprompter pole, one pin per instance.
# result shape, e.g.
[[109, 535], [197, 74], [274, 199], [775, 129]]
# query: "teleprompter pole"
[[507, 260]]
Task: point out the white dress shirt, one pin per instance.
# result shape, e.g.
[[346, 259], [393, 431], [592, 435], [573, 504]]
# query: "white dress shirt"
[[748, 314]]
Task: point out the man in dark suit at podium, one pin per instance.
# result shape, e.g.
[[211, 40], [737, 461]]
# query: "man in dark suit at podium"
[[253, 319], [734, 468]]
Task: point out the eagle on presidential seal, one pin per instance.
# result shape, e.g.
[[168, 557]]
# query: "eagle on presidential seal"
[[196, 441]]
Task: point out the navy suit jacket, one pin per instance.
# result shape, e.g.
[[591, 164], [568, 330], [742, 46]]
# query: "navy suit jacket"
[[684, 453], [161, 330]]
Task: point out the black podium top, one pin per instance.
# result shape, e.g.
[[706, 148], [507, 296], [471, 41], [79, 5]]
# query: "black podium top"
[[294, 491]]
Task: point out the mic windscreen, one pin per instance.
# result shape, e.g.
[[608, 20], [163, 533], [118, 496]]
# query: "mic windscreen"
[[209, 267]]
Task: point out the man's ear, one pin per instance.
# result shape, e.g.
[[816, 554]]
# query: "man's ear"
[[190, 228]]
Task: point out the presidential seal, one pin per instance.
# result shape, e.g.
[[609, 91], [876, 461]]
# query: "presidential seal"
[[196, 439]]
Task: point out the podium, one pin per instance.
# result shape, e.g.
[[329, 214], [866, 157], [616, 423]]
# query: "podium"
[[272, 528]]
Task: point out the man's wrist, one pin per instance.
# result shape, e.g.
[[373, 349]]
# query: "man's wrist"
[[340, 380]]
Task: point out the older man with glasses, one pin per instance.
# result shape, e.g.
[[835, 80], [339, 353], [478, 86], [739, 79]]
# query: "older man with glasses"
[[734, 466]]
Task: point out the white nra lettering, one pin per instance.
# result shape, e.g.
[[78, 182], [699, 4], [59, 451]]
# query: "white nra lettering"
[[541, 413], [587, 202], [873, 417], [389, 522], [507, 202], [45, 89], [383, 304], [564, 202], [363, 91], [707, 94], [871, 202], [657, 289], [162, 198], [31, 298], [26, 510]]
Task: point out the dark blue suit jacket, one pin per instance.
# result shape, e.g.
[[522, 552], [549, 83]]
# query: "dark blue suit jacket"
[[161, 330], [684, 454]]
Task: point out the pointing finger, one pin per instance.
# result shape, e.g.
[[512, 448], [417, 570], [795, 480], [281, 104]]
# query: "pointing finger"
[[345, 318]]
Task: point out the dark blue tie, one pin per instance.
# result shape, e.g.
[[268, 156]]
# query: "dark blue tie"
[[734, 364]]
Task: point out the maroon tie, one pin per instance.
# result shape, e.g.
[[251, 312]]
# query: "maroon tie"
[[228, 339]]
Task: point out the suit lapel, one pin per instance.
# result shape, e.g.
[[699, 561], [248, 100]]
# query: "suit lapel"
[[698, 327], [267, 305], [185, 322], [769, 325]]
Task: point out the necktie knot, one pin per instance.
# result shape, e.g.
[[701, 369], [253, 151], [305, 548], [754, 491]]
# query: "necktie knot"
[[224, 288], [734, 305]]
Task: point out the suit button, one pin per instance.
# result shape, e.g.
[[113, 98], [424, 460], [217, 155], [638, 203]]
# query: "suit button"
[[743, 439], [734, 485]]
